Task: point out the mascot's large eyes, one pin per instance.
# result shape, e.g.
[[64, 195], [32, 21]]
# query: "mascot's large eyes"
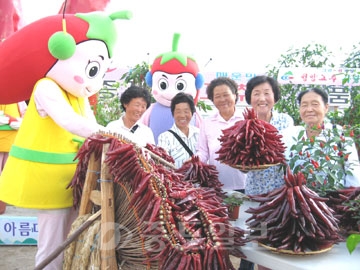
[[181, 85], [92, 69], [163, 84]]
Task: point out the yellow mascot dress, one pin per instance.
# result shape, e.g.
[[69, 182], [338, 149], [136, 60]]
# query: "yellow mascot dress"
[[42, 162]]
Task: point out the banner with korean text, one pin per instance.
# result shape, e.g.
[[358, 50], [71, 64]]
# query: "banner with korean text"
[[332, 78], [319, 76]]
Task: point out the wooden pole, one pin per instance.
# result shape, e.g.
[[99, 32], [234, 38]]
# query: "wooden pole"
[[68, 241], [92, 175], [107, 241]]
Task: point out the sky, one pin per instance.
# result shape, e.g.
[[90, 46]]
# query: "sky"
[[227, 35]]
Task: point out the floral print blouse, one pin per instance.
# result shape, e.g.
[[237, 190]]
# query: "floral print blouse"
[[264, 181]]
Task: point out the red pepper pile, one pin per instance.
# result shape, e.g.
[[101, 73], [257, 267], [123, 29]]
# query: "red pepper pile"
[[160, 152], [251, 143], [340, 201], [202, 174], [295, 217]]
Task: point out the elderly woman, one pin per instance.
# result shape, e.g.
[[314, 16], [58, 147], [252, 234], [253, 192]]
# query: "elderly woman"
[[223, 92], [180, 141], [134, 102], [262, 92], [313, 108]]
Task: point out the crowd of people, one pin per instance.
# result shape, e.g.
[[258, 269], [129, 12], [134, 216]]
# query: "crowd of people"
[[183, 140], [262, 92]]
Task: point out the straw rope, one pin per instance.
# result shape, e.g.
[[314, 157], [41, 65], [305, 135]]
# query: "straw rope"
[[86, 253], [70, 251]]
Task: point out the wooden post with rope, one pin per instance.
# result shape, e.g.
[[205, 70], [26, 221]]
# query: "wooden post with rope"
[[107, 242], [92, 176]]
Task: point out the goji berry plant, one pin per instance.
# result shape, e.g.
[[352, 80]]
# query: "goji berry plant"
[[323, 160]]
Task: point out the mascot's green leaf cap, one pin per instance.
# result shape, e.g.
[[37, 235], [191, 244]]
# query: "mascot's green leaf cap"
[[102, 27], [62, 45], [174, 62]]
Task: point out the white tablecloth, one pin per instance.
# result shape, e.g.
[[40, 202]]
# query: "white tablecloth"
[[337, 258]]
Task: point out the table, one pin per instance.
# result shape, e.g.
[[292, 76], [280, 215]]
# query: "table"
[[337, 258]]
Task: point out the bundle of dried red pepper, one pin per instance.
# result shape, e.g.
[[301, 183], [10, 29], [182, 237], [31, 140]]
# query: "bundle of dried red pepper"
[[294, 218], [161, 152], [251, 143], [202, 174]]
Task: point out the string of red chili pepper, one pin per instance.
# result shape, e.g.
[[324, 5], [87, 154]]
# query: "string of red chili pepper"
[[296, 218]]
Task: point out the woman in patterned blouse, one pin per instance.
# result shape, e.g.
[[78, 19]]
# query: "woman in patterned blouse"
[[182, 109], [262, 92]]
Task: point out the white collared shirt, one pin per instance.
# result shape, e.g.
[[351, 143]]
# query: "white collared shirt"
[[141, 135]]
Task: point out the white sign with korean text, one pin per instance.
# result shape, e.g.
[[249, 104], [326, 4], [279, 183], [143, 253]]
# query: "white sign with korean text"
[[319, 76], [18, 230]]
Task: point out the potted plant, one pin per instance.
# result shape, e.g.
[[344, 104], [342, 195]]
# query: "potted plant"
[[323, 162], [233, 202]]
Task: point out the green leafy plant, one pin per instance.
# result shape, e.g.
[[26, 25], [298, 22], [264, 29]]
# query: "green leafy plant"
[[351, 114], [323, 162], [203, 106], [136, 75], [352, 241], [234, 199], [108, 107]]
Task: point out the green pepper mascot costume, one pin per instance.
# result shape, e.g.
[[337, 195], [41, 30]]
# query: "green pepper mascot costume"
[[57, 62]]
